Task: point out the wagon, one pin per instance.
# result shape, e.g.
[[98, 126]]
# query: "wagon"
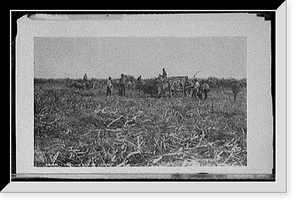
[[174, 86]]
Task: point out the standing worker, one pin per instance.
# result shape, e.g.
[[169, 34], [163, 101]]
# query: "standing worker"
[[109, 86], [139, 83], [122, 85], [235, 89], [85, 77], [206, 89], [196, 88], [164, 74]]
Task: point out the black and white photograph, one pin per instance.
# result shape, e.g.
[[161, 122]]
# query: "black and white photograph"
[[140, 101], [128, 98], [142, 96]]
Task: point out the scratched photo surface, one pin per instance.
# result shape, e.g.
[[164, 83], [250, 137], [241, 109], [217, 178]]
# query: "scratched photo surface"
[[140, 101]]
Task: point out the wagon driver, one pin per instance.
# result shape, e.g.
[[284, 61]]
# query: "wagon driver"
[[85, 77], [164, 74]]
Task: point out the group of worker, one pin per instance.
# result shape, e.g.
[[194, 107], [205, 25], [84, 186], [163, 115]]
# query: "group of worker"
[[200, 90], [122, 82], [121, 86]]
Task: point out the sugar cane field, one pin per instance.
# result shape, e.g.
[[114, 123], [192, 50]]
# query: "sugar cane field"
[[76, 127]]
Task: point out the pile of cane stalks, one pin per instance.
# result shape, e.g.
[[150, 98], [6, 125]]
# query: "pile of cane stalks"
[[84, 129]]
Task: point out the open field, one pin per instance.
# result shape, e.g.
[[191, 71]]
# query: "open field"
[[88, 129]]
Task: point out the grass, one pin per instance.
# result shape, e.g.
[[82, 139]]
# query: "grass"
[[87, 129]]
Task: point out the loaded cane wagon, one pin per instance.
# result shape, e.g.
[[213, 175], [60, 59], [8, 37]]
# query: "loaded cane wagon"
[[178, 85], [173, 86]]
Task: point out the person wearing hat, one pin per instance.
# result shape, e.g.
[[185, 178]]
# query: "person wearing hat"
[[109, 86], [122, 85]]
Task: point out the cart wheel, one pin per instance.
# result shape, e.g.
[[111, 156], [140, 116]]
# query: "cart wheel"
[[178, 88]]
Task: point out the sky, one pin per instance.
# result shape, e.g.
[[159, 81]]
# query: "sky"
[[101, 57]]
